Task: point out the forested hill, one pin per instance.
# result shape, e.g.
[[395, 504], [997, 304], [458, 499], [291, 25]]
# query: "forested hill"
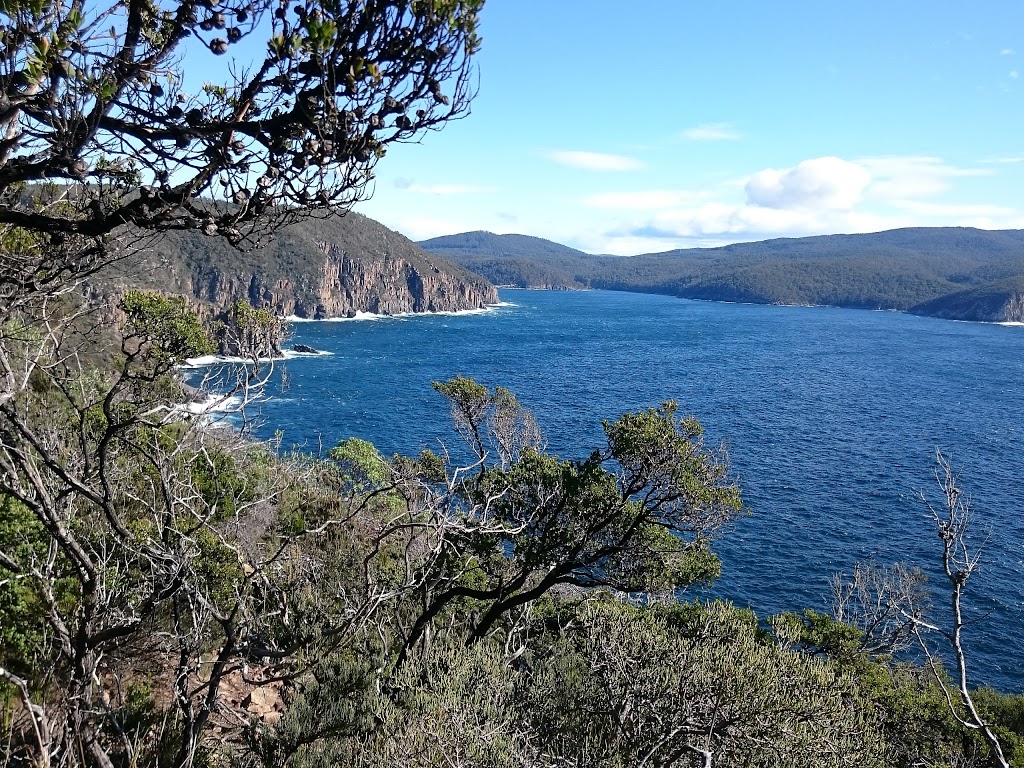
[[953, 272], [516, 260], [317, 268]]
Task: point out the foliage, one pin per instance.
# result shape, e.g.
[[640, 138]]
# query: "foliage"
[[687, 685], [517, 523], [165, 326]]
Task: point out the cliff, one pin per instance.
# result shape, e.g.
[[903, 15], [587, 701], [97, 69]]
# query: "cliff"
[[319, 268]]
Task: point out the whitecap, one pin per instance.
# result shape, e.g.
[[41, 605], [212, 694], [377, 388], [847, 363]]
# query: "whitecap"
[[372, 316], [211, 404], [207, 360]]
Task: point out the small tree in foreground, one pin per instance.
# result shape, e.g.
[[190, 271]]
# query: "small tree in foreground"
[[879, 611], [959, 562]]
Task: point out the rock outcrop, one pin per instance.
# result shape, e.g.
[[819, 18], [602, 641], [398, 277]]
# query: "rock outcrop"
[[323, 268], [316, 269], [345, 282]]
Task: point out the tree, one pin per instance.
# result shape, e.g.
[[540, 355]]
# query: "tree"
[[959, 562], [691, 685], [514, 523], [882, 610], [98, 135]]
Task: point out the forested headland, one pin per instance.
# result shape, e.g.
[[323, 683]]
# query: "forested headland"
[[953, 272]]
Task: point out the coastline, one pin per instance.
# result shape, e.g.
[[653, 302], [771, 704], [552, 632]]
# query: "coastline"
[[361, 316]]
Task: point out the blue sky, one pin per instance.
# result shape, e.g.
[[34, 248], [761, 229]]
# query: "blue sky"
[[635, 127], [627, 128]]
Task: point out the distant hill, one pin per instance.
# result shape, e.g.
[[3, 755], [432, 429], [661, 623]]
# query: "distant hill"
[[515, 260], [954, 272]]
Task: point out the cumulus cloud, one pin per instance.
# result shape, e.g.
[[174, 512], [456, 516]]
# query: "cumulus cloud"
[[823, 195], [712, 132], [821, 183], [594, 161]]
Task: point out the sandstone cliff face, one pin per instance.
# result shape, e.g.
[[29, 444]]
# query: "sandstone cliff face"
[[1013, 311], [316, 269], [323, 269], [344, 284]]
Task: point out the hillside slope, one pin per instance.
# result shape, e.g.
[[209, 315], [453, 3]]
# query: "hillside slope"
[[519, 261]]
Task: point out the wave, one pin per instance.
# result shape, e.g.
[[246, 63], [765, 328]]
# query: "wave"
[[372, 316], [211, 405], [359, 315], [207, 360]]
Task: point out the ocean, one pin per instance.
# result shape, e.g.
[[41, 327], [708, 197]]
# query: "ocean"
[[831, 419]]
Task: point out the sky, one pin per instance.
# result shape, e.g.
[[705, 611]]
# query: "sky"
[[637, 127]]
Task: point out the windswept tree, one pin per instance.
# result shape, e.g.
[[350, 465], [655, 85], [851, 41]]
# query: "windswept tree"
[[513, 523]]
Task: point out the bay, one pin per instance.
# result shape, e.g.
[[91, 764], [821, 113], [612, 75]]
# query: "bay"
[[831, 419]]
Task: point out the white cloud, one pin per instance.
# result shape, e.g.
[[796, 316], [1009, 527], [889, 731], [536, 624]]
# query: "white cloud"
[[1006, 52], [824, 195], [750, 222], [712, 132], [646, 200], [1013, 74], [821, 183], [1009, 160], [958, 211], [594, 161], [909, 177]]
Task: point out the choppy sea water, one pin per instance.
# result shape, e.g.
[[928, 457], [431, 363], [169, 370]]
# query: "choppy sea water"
[[831, 419]]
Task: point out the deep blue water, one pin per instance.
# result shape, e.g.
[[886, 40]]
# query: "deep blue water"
[[831, 418]]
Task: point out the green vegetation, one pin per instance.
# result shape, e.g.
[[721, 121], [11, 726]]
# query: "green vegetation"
[[171, 595], [290, 267]]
